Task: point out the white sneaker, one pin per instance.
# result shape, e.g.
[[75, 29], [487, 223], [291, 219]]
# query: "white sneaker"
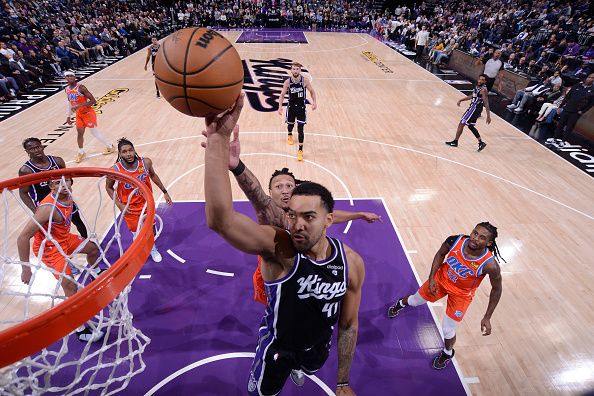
[[155, 255], [550, 142], [298, 377], [559, 143], [518, 110], [511, 106]]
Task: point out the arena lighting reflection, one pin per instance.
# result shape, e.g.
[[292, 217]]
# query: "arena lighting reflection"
[[509, 249], [579, 375], [421, 194]]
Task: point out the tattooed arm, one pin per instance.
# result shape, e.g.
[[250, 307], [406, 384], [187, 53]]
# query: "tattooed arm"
[[266, 211], [349, 321]]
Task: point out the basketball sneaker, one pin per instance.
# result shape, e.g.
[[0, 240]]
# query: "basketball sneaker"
[[395, 309], [87, 335], [453, 143], [290, 140], [441, 361], [79, 157], [108, 150], [482, 145], [158, 95], [300, 155], [298, 377], [155, 255]]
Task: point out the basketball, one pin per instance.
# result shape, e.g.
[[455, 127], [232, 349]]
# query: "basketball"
[[199, 72]]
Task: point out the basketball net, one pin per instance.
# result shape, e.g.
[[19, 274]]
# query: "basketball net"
[[68, 366]]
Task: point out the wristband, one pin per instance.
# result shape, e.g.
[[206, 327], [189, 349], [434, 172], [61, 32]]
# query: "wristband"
[[164, 191], [342, 384], [238, 170]]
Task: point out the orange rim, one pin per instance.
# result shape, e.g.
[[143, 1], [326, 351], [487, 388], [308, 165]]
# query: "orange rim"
[[34, 334]]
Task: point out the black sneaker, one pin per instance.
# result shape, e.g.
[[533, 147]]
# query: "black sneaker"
[[482, 145], [453, 143], [441, 361], [395, 309], [158, 95]]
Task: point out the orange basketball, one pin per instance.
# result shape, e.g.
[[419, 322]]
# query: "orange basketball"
[[198, 71]]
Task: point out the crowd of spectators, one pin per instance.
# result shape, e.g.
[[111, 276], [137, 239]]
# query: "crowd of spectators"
[[531, 36], [299, 14], [39, 39]]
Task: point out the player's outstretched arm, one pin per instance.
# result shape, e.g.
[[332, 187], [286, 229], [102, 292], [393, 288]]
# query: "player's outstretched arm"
[[342, 216], [494, 272], [237, 229], [348, 323]]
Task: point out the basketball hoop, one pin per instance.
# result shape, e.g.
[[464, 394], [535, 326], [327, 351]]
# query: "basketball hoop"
[[32, 362]]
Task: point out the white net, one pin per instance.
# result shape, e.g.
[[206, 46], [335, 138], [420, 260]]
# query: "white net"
[[101, 355]]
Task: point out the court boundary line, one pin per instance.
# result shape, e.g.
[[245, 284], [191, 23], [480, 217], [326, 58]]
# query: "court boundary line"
[[500, 178], [433, 315], [216, 358]]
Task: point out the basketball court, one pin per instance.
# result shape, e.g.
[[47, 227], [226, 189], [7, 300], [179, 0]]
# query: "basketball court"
[[377, 142]]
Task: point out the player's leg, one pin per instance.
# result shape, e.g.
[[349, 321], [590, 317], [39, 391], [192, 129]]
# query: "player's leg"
[[78, 222], [471, 125], [270, 368], [422, 296], [455, 311], [454, 143], [301, 121], [310, 362], [157, 88], [90, 120], [290, 120], [80, 140], [155, 255]]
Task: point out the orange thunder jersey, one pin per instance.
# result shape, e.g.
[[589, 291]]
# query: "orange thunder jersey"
[[124, 190], [60, 230], [459, 275], [75, 98]]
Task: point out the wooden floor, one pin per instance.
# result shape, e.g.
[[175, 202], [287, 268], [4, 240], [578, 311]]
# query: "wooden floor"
[[377, 134]]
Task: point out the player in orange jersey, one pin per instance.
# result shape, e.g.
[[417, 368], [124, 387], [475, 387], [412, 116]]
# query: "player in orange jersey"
[[141, 168], [80, 101], [457, 271], [56, 210]]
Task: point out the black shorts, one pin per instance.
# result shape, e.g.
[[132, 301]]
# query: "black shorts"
[[272, 365], [293, 113], [471, 115]]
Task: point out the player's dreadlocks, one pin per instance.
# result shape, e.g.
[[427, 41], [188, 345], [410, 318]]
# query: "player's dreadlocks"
[[124, 142], [30, 140], [284, 171], [493, 247]]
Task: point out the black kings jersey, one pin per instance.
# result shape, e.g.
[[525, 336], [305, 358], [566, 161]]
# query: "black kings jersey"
[[297, 92], [303, 306], [40, 190]]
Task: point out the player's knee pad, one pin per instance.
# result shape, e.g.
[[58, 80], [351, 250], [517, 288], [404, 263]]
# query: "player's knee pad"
[[449, 327], [416, 300]]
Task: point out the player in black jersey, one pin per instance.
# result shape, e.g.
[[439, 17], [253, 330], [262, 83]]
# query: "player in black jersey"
[[312, 281], [296, 85], [479, 98], [151, 54], [39, 162]]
